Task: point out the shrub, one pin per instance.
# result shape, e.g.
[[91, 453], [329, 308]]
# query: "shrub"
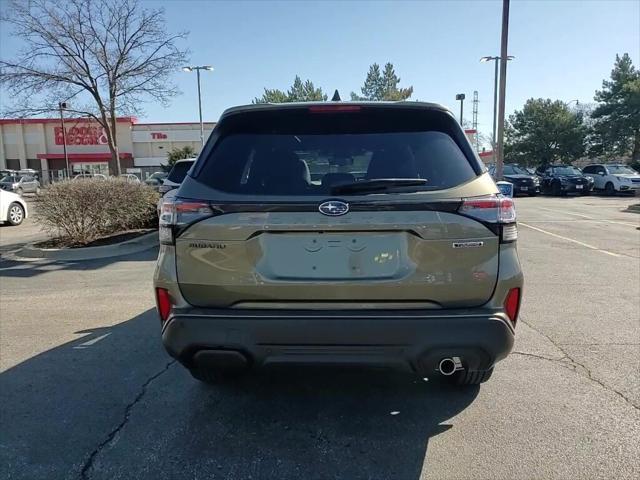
[[81, 211]]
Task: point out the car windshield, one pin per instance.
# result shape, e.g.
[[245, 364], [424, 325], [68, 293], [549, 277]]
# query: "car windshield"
[[621, 170], [312, 164], [566, 171], [9, 179], [514, 170], [179, 171]]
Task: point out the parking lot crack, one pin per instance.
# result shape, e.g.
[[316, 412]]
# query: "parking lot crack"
[[574, 364], [84, 473]]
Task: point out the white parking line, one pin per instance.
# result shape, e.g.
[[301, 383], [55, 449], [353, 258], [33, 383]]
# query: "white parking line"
[[589, 217], [93, 341], [570, 240]]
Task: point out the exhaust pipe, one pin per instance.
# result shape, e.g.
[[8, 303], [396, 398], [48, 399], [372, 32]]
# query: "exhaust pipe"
[[449, 366]]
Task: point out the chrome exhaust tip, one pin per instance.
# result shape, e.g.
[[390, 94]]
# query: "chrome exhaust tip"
[[449, 366]]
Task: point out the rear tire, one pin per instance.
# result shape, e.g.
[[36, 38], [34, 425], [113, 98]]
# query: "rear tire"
[[556, 189], [476, 377], [609, 189], [15, 214]]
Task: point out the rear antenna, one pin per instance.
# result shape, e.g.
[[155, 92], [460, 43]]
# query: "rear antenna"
[[336, 96]]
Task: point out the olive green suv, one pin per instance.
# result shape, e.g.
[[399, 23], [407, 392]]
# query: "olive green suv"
[[338, 233]]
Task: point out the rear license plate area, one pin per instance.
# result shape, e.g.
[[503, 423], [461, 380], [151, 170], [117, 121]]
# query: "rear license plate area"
[[332, 256]]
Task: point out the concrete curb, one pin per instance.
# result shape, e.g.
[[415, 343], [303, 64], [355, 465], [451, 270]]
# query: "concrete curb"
[[136, 245]]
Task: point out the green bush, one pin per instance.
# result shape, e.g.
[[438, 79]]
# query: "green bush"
[[81, 211]]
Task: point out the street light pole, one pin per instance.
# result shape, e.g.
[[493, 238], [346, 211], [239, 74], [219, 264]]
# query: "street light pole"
[[197, 69], [495, 94], [200, 112], [495, 101], [503, 86], [62, 106], [461, 97]]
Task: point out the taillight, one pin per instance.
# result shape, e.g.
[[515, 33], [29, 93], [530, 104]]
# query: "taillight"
[[164, 303], [495, 210], [178, 212], [512, 304]]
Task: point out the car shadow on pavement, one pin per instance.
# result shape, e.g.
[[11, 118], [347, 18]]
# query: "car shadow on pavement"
[[10, 267], [121, 408]]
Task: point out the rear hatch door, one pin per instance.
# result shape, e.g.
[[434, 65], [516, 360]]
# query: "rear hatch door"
[[287, 230]]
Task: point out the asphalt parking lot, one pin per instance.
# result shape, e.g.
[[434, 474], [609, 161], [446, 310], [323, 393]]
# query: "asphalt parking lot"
[[87, 391]]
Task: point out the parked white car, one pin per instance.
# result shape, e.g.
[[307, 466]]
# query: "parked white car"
[[129, 178], [13, 209], [613, 178]]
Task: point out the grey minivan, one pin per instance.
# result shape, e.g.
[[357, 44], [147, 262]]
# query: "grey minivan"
[[339, 233]]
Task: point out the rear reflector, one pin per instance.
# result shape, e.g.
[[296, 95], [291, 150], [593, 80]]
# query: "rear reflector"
[[164, 303], [512, 305], [510, 233], [334, 108]]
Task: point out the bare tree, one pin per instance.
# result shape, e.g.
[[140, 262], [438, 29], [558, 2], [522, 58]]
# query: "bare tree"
[[109, 56]]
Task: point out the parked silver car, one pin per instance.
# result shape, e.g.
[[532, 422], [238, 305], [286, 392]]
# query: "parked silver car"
[[20, 184]]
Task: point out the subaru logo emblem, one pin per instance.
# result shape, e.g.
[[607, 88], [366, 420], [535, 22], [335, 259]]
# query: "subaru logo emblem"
[[333, 208]]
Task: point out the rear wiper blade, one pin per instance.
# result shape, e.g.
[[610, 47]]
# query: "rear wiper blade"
[[377, 185]]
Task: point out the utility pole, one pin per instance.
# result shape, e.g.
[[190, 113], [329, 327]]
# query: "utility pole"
[[503, 86], [460, 97]]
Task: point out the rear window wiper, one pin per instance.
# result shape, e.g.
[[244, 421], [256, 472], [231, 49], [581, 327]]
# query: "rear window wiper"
[[377, 185]]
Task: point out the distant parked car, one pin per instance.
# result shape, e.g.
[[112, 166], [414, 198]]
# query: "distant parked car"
[[613, 178], [563, 179], [170, 186], [13, 209], [20, 184], [176, 175], [155, 179], [523, 181], [129, 178], [88, 176]]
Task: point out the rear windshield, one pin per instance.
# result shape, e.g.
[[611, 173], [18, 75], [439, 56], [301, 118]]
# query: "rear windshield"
[[179, 171], [311, 164]]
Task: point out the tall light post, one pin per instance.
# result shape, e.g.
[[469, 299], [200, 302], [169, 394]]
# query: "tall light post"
[[63, 106], [495, 93], [197, 69], [504, 40], [461, 97]]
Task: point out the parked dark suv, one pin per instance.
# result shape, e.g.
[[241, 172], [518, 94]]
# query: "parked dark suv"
[[523, 182], [564, 179], [338, 233]]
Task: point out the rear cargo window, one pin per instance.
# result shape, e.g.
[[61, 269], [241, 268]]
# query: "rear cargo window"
[[311, 164], [179, 171]]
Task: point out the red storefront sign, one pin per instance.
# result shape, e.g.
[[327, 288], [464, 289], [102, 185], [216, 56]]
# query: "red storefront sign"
[[158, 135], [84, 135]]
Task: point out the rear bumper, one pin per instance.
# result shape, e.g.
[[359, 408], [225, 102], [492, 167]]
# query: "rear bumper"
[[402, 338], [573, 188]]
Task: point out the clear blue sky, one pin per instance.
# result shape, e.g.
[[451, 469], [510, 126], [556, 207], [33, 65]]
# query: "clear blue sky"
[[563, 49]]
